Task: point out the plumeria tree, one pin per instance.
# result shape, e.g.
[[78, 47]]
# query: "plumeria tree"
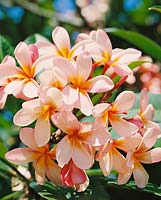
[[76, 121]]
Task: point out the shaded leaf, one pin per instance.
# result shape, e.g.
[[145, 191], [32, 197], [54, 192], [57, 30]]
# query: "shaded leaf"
[[48, 191], [5, 48], [150, 188], [147, 45], [3, 150]]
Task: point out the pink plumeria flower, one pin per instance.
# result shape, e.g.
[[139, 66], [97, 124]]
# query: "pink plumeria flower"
[[102, 53], [72, 176], [41, 110], [110, 158], [3, 97], [61, 46], [42, 157], [76, 93], [78, 141], [20, 81], [6, 62], [142, 154], [53, 78], [105, 113], [146, 112]]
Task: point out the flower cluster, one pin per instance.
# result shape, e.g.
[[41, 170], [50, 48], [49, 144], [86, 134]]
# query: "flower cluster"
[[66, 92]]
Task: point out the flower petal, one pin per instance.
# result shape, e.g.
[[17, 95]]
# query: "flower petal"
[[30, 89], [14, 87], [123, 178], [23, 54], [42, 131], [81, 156], [67, 122], [46, 48], [43, 63], [143, 100], [100, 83], [141, 177], [152, 156], [3, 97], [27, 137], [53, 171], [85, 104], [99, 109], [23, 118], [55, 96], [148, 113], [106, 163], [149, 139], [122, 69], [126, 55], [96, 137], [84, 66], [21, 155], [122, 127], [119, 158], [7, 71], [104, 41], [124, 101], [70, 95], [128, 143], [67, 67], [39, 166], [61, 39], [64, 151]]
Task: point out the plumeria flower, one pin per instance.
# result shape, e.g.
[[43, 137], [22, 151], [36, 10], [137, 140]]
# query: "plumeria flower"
[[78, 141], [42, 157], [6, 62], [142, 154], [72, 176], [76, 92], [102, 53], [20, 81], [61, 46], [41, 110], [146, 112], [105, 113], [55, 78], [110, 158]]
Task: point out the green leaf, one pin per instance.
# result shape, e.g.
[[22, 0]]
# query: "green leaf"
[[5, 48], [35, 38], [147, 45], [48, 191], [156, 8], [150, 188], [3, 150], [13, 195], [136, 64]]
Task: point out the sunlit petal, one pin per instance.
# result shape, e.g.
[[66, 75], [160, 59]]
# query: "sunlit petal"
[[81, 156], [100, 84], [23, 54], [42, 131], [64, 151], [122, 127], [21, 155], [27, 137], [124, 101]]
